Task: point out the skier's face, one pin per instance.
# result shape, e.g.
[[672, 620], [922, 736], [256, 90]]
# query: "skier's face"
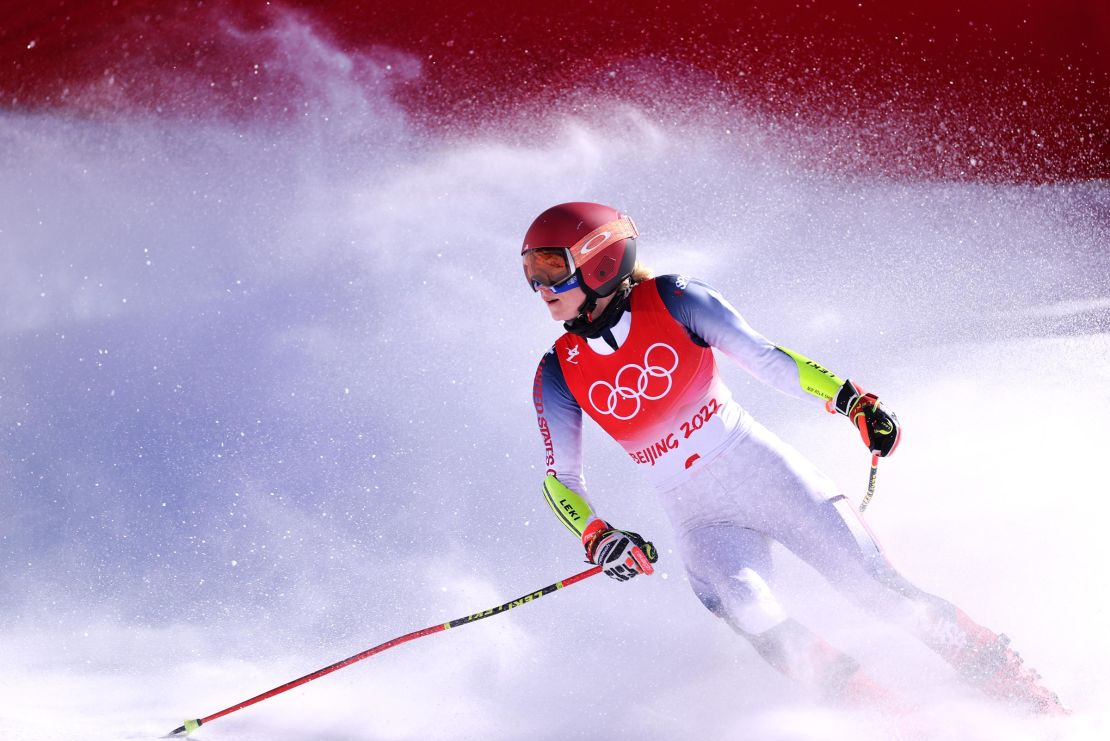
[[551, 274], [563, 306]]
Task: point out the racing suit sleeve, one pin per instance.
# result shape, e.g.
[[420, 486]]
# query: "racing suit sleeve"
[[560, 422], [713, 322]]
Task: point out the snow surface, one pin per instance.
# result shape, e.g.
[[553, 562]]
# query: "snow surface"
[[265, 402]]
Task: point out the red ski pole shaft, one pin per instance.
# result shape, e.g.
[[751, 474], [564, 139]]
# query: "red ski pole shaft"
[[191, 725]]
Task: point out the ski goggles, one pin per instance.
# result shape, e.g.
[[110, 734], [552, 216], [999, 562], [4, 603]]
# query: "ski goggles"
[[550, 268], [554, 268]]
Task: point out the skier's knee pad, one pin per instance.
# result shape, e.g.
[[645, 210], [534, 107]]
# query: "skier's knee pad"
[[744, 600]]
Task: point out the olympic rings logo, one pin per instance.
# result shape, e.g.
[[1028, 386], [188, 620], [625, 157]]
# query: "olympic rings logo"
[[633, 383]]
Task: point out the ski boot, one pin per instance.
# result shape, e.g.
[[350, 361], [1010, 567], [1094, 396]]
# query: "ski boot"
[[985, 660], [808, 659], [999, 672]]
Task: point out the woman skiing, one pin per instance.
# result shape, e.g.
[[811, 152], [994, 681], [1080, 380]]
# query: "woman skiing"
[[637, 357]]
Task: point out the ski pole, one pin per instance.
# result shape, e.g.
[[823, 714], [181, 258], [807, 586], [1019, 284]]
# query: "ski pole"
[[191, 725], [870, 483]]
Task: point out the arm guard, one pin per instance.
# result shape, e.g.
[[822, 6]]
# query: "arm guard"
[[815, 378], [571, 508]]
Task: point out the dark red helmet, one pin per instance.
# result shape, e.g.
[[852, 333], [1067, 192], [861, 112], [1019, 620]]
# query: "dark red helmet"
[[599, 241]]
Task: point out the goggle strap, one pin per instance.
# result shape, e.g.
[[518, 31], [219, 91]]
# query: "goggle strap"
[[590, 245]]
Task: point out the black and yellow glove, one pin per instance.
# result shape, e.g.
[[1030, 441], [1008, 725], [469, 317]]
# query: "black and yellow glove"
[[879, 428]]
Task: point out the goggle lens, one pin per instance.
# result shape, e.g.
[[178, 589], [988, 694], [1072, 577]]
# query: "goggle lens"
[[549, 268]]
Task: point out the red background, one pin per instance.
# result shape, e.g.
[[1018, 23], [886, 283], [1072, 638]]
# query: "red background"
[[995, 91]]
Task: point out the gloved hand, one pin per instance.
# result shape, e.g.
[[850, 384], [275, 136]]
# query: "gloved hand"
[[621, 554], [878, 427]]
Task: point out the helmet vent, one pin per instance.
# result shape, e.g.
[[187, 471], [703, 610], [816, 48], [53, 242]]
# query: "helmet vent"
[[605, 266]]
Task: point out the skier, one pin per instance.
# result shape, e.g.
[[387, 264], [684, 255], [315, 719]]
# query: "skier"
[[637, 358]]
